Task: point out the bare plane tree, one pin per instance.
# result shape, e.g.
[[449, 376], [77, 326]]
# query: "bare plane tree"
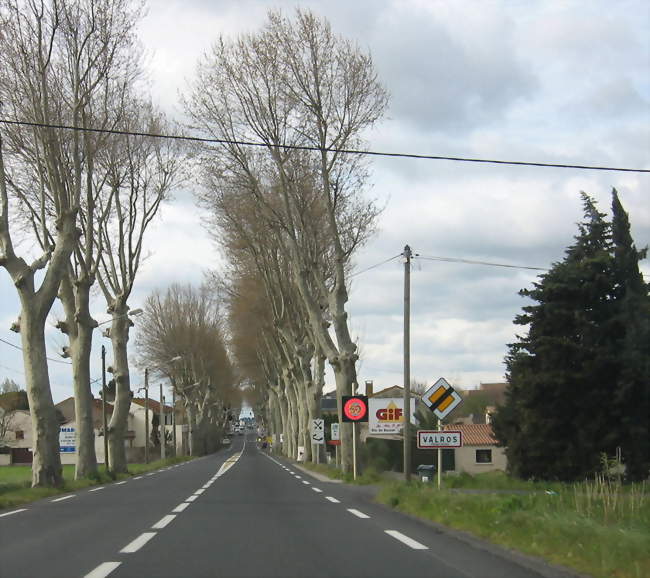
[[295, 83], [57, 57], [141, 171]]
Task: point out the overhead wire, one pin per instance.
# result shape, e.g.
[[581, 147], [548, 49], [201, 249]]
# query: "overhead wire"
[[473, 262], [318, 149], [48, 358], [374, 266]]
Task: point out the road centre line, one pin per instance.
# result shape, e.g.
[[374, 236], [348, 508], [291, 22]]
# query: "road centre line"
[[136, 544], [410, 542], [178, 509], [357, 513], [63, 498], [199, 491], [103, 570], [13, 512], [333, 500], [97, 489], [317, 490], [160, 524], [191, 498]]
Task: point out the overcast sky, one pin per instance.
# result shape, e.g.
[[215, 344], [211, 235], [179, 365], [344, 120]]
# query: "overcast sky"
[[556, 82]]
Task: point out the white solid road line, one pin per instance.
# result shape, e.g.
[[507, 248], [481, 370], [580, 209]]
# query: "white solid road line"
[[119, 484], [410, 542], [140, 541], [357, 513], [13, 512], [97, 489], [317, 490], [103, 570], [178, 509], [160, 524], [63, 498], [333, 500]]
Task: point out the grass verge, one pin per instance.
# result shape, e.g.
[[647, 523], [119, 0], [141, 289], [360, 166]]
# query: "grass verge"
[[15, 481], [594, 528], [369, 476]]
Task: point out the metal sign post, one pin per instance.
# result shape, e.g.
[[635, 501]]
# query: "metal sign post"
[[439, 457]]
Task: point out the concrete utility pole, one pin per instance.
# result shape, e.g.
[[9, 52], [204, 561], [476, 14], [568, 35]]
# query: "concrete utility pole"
[[407, 363], [104, 409], [146, 416], [174, 414], [162, 424]]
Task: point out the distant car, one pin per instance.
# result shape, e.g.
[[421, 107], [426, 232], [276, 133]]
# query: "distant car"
[[225, 441]]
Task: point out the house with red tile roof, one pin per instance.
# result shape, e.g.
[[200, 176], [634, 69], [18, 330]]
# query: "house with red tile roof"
[[479, 452]]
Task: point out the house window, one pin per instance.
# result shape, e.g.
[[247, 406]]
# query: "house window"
[[483, 456], [20, 434]]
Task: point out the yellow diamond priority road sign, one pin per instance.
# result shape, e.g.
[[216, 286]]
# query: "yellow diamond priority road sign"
[[441, 398]]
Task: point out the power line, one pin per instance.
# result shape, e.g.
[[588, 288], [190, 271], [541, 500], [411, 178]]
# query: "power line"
[[318, 149], [373, 266], [49, 358], [471, 262]]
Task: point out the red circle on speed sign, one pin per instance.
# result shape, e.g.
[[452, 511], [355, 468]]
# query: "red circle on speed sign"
[[355, 409]]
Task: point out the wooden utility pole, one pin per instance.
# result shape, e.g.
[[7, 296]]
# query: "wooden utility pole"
[[407, 363]]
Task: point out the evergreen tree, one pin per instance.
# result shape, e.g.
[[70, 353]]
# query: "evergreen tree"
[[630, 331], [557, 417]]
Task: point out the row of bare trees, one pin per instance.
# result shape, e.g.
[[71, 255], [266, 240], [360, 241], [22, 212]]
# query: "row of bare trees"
[[289, 215], [182, 338], [83, 198]]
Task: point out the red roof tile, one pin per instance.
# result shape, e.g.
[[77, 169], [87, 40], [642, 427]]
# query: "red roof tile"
[[474, 434]]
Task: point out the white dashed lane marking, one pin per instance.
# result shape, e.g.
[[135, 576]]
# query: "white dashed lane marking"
[[97, 489], [13, 512], [333, 500], [160, 524], [63, 498], [103, 570], [410, 542], [317, 490], [178, 509], [357, 513], [140, 541]]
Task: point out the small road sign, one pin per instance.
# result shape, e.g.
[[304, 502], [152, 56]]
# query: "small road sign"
[[355, 408], [318, 431], [441, 398], [428, 439], [334, 432]]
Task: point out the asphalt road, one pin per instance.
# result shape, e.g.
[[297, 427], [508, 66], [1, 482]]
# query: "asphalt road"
[[239, 512]]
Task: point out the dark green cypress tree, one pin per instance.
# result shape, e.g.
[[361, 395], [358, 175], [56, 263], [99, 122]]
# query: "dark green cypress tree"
[[554, 424], [630, 335]]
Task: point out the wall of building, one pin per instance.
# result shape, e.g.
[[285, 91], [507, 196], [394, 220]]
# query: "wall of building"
[[466, 460]]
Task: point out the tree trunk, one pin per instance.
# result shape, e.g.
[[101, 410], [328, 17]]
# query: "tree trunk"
[[345, 374], [46, 464], [79, 328], [119, 420]]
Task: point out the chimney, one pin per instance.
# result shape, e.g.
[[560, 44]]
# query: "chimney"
[[369, 386]]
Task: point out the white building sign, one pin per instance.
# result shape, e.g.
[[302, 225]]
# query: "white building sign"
[[428, 439], [67, 440], [386, 415]]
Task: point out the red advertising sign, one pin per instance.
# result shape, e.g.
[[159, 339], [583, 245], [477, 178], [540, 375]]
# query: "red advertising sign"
[[355, 408]]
